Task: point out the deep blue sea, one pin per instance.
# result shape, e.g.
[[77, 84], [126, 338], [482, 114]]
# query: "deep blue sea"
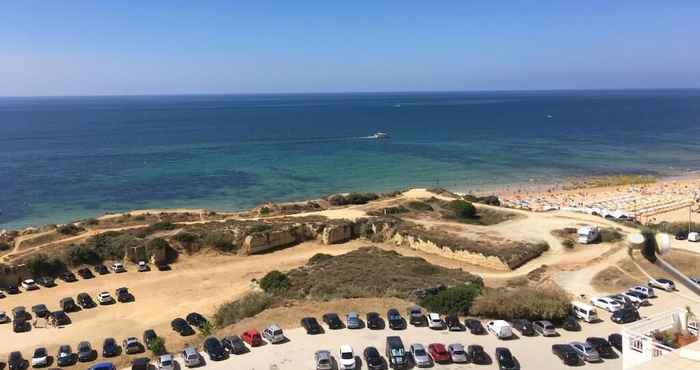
[[73, 157]]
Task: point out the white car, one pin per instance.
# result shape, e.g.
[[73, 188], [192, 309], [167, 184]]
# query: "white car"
[[143, 266], [40, 357], [646, 290], [694, 237], [29, 284], [636, 298], [118, 267], [420, 356], [500, 328], [166, 362], [606, 303], [347, 358], [664, 284], [274, 334], [105, 298], [435, 321]]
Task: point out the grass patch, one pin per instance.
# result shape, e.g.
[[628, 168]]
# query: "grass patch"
[[247, 306], [455, 300], [522, 303]]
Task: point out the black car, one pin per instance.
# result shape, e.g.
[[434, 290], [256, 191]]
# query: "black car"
[[21, 325], [682, 235], [60, 318], [20, 312], [475, 327], [453, 323], [234, 344], [374, 321], [615, 341], [123, 295], [625, 315], [68, 277], [571, 324], [149, 336], [46, 282], [85, 273], [16, 362], [212, 346], [40, 310], [12, 289], [311, 325], [181, 327], [85, 301], [68, 305], [524, 327], [65, 356], [333, 321], [396, 321], [477, 355], [163, 267], [101, 269], [505, 359], [196, 319], [110, 348], [566, 354], [85, 352], [373, 359], [602, 346]]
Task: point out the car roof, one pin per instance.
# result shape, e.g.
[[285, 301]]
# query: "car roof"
[[417, 345], [345, 348], [166, 356], [456, 346], [274, 327], [323, 354]]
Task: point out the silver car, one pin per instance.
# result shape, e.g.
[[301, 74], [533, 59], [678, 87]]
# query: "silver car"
[[585, 351], [352, 321], [323, 360], [420, 356], [457, 353], [191, 357], [545, 328]]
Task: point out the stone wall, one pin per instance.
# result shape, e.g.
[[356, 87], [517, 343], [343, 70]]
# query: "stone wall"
[[262, 241]]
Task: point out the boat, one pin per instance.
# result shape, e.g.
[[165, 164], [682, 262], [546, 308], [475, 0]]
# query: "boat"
[[379, 135]]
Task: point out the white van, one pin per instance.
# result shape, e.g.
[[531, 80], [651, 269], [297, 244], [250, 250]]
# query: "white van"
[[584, 311], [694, 237], [500, 328]]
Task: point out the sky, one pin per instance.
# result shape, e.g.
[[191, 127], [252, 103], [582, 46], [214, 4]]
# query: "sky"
[[76, 47]]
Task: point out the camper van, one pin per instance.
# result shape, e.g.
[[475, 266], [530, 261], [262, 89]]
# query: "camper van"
[[584, 311], [501, 329], [588, 234]]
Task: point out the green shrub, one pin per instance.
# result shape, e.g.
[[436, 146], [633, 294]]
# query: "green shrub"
[[247, 306], [186, 237], [90, 222], [352, 198], [207, 329], [264, 211], [274, 282], [77, 255], [319, 257], [4, 246], [609, 235], [462, 209], [157, 346], [219, 240], [111, 245], [163, 225], [69, 229], [43, 265], [522, 303], [455, 300], [419, 206]]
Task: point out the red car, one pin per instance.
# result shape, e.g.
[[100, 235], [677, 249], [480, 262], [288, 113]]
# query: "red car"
[[439, 353], [252, 337]]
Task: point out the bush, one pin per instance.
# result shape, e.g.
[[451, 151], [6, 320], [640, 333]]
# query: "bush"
[[319, 257], [462, 209], [90, 222], [157, 346], [274, 282], [609, 235], [352, 198], [4, 246], [455, 300], [522, 303], [419, 206], [219, 240], [111, 245], [185, 237], [43, 265], [69, 229], [77, 255], [247, 306], [568, 243], [207, 329]]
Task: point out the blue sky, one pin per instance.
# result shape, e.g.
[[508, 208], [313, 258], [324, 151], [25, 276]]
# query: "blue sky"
[[62, 47]]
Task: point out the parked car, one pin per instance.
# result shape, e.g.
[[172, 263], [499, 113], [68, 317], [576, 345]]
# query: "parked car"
[[453, 324], [373, 359], [163, 266], [65, 356], [68, 277], [439, 353], [46, 281], [457, 353], [585, 351], [332, 320], [196, 319], [665, 284], [681, 235], [615, 341], [2, 294], [190, 356], [637, 299], [435, 321], [68, 305], [40, 358], [694, 237], [323, 360], [252, 337], [101, 269], [566, 354], [524, 327], [166, 362], [571, 324], [477, 355], [606, 304], [234, 345], [505, 359], [85, 301], [545, 328], [475, 327], [274, 334], [110, 348], [625, 316], [646, 291], [353, 321], [420, 355], [12, 290], [29, 284], [416, 316], [132, 346], [346, 358], [41, 311], [123, 295], [143, 267], [104, 298], [311, 325], [602, 346], [396, 353], [499, 328], [142, 363], [118, 267], [584, 311], [60, 318], [181, 327], [20, 312], [4, 318], [21, 325], [374, 321], [149, 337], [212, 346], [15, 361], [396, 321], [85, 273], [85, 351]]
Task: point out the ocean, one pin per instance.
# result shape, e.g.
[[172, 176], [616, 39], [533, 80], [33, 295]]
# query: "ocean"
[[66, 158]]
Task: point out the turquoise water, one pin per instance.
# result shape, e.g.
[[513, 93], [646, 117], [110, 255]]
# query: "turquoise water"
[[74, 157]]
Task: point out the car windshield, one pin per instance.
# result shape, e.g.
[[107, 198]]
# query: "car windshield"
[[166, 363], [347, 355], [40, 352], [277, 332], [419, 352], [324, 361], [397, 352], [458, 352]]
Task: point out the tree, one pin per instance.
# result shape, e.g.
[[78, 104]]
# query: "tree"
[[274, 281], [455, 300], [157, 346], [462, 208]]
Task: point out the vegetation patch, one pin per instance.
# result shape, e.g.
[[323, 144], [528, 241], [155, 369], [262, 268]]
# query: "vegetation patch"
[[455, 300], [352, 198], [237, 310], [522, 303], [569, 236], [70, 229], [491, 200]]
